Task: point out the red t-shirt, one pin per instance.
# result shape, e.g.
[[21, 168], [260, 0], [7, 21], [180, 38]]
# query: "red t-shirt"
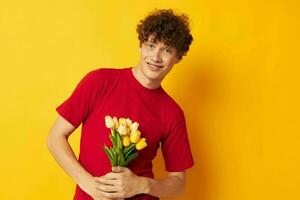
[[116, 92]]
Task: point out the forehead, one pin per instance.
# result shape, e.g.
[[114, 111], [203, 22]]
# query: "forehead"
[[160, 43]]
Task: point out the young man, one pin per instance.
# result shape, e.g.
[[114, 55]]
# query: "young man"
[[136, 93]]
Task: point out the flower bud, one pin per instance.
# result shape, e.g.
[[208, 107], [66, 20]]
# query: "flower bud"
[[122, 121], [129, 122], [126, 141], [141, 144], [122, 129], [134, 127], [135, 136], [109, 123], [128, 131], [116, 122]]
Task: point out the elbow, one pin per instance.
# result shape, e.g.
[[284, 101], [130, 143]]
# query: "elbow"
[[49, 142], [53, 140]]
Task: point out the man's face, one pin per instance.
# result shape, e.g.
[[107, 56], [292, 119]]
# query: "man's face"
[[156, 59]]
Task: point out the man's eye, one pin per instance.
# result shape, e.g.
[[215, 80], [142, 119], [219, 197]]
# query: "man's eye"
[[151, 45], [168, 51]]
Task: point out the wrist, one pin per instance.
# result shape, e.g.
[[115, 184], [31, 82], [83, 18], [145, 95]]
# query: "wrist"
[[144, 185], [84, 180]]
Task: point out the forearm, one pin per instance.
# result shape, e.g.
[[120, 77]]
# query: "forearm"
[[61, 150], [170, 186]]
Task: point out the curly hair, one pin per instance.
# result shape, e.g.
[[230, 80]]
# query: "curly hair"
[[167, 27]]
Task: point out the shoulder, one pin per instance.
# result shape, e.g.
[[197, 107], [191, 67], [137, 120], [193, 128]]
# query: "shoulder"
[[172, 105], [102, 75], [106, 72], [102, 78]]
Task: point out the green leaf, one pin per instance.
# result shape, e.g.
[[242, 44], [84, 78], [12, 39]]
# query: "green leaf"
[[114, 161], [108, 153], [130, 158], [128, 153], [132, 145], [117, 159], [113, 139], [121, 159], [113, 132], [119, 142]]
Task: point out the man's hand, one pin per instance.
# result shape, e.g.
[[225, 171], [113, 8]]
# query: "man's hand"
[[120, 183], [91, 187]]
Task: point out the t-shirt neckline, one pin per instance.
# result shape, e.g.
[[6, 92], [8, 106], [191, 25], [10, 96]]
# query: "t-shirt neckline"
[[138, 85]]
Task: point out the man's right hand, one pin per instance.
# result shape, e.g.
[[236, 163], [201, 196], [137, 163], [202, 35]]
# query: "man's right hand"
[[59, 147]]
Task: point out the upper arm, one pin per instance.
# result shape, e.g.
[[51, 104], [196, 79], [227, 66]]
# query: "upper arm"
[[61, 127], [175, 144]]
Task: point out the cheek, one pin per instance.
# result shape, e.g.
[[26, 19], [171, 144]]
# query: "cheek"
[[145, 53], [168, 60], [144, 56]]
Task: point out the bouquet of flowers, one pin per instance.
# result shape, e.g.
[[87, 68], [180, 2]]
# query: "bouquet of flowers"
[[126, 141]]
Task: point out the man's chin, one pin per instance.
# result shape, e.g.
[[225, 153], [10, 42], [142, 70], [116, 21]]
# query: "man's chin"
[[154, 77]]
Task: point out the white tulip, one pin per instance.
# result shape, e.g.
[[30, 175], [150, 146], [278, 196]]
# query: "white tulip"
[[109, 122], [122, 121], [122, 129], [129, 122], [116, 121], [134, 127]]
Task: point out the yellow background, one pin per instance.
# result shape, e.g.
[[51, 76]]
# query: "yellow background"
[[238, 86]]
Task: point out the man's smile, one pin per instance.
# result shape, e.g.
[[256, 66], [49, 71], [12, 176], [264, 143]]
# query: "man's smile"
[[155, 66]]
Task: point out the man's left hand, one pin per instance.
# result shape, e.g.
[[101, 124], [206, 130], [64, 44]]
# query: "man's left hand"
[[120, 183]]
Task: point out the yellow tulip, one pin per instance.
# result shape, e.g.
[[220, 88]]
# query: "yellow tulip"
[[135, 136], [109, 122], [128, 131], [141, 144], [126, 141]]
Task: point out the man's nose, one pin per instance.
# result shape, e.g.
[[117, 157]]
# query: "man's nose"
[[156, 57]]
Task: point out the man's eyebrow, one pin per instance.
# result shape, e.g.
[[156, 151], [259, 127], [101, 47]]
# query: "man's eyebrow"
[[151, 41], [164, 47]]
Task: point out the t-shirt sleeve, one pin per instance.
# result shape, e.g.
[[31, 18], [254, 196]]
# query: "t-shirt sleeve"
[[81, 102], [176, 148]]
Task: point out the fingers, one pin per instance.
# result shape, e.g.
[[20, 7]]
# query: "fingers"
[[111, 175], [112, 195], [108, 188], [106, 181]]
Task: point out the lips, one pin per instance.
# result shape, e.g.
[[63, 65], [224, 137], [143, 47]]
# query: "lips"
[[158, 66]]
